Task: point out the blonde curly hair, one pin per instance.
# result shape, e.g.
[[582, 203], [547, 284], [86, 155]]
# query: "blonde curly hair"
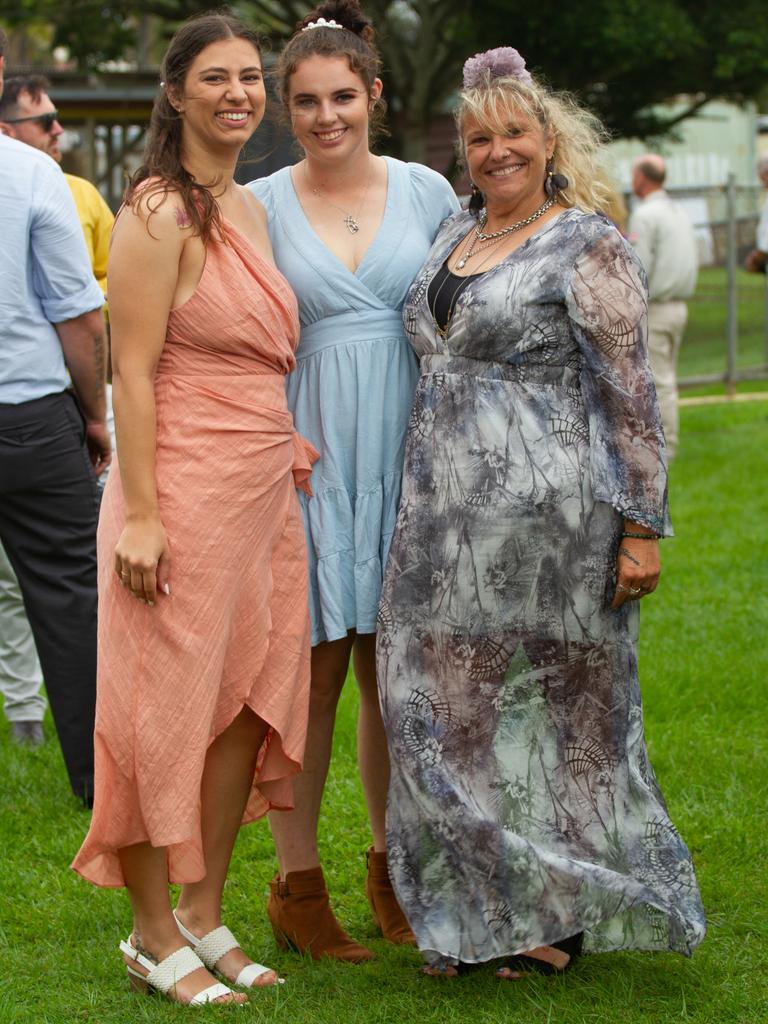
[[496, 103]]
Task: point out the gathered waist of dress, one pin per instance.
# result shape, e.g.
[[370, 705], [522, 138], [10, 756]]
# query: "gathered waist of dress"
[[519, 373], [258, 389], [349, 328]]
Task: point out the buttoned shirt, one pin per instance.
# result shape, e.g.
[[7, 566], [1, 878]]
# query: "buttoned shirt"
[[663, 235], [45, 273]]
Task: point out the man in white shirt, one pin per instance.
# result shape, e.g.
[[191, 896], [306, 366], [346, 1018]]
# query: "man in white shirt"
[[28, 115], [50, 443], [757, 261], [663, 235]]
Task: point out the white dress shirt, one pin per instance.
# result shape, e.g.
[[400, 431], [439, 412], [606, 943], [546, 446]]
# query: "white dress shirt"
[[663, 235]]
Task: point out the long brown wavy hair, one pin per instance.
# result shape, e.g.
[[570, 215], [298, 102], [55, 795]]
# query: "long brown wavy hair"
[[162, 152]]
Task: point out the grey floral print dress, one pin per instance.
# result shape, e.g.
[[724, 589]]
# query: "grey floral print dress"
[[522, 806]]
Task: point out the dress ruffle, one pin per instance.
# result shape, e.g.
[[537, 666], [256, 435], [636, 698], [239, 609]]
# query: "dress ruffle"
[[304, 455], [348, 540]]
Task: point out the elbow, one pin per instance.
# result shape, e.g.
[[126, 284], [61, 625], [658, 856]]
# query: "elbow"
[[91, 323]]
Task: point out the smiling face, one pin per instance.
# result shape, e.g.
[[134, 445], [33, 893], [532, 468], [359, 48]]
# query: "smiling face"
[[224, 98], [42, 134], [329, 106], [506, 158]]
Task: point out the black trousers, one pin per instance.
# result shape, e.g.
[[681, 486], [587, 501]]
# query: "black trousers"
[[48, 513]]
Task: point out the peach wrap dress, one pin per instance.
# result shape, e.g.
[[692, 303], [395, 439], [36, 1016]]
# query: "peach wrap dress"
[[235, 630]]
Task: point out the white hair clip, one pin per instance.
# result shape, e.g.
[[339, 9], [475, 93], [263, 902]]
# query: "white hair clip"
[[322, 23]]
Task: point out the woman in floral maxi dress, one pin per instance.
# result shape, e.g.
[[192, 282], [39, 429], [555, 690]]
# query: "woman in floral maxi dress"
[[523, 812]]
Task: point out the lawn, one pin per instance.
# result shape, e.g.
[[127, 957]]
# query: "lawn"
[[704, 668]]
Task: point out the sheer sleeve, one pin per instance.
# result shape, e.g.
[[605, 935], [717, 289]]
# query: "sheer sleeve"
[[607, 307]]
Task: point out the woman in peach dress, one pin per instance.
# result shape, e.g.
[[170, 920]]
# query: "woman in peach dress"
[[203, 625]]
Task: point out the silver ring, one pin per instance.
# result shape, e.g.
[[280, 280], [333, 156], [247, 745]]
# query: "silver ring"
[[634, 591]]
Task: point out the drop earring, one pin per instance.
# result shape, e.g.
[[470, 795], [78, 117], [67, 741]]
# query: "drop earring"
[[554, 182]]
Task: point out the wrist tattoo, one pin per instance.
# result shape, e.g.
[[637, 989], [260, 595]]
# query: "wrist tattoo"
[[627, 554], [99, 358]]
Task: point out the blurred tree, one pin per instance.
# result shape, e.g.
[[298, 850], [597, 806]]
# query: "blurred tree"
[[622, 57]]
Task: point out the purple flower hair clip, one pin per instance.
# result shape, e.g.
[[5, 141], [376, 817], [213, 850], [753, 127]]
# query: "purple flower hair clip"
[[503, 62]]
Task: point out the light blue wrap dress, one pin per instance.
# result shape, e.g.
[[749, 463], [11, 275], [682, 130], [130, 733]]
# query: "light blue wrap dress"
[[353, 386]]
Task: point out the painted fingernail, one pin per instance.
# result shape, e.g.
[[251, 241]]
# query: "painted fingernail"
[[167, 589]]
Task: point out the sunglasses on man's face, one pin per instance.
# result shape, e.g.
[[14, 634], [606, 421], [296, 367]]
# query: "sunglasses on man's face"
[[47, 121]]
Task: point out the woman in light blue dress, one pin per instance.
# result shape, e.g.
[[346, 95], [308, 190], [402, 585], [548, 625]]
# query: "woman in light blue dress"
[[349, 231]]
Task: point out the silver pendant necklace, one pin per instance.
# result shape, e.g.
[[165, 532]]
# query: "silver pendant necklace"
[[480, 236], [351, 221]]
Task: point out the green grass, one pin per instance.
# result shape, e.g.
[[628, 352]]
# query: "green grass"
[[704, 344], [704, 667]]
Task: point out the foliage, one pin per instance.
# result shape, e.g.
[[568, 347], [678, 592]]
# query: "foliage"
[[620, 56]]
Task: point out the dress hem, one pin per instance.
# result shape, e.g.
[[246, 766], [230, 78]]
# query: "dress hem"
[[248, 819]]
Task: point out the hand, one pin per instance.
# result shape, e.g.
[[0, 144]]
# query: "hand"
[[755, 262], [99, 445], [143, 559], [638, 568]]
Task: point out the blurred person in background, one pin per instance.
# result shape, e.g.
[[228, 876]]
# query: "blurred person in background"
[[28, 114], [51, 443], [662, 233], [757, 261]]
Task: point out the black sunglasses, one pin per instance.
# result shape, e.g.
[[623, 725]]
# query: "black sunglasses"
[[47, 121]]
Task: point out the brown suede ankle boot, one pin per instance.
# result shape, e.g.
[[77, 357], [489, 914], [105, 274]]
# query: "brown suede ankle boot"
[[301, 917], [381, 896]]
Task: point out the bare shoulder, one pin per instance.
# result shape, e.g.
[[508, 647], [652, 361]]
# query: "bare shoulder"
[[253, 205], [157, 214]]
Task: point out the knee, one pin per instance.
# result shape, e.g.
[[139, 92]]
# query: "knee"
[[325, 690]]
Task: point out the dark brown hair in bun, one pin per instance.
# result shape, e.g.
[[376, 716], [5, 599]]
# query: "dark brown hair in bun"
[[355, 41]]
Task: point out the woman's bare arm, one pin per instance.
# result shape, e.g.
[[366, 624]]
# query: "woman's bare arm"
[[143, 280]]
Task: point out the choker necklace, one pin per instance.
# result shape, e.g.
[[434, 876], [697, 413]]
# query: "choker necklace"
[[351, 221], [491, 236]]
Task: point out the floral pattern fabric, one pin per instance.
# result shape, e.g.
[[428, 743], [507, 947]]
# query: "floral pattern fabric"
[[522, 805]]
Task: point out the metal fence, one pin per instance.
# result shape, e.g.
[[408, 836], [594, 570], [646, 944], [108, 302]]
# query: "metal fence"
[[726, 221]]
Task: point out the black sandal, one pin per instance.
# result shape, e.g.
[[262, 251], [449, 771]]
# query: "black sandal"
[[523, 963]]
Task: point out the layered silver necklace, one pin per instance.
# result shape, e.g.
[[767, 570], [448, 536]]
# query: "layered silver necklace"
[[478, 235]]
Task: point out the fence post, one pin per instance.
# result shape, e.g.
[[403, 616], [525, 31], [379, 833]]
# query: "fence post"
[[731, 258]]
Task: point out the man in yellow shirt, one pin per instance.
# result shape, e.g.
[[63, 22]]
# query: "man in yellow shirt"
[[28, 114]]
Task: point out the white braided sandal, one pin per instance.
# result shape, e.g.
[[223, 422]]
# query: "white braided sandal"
[[213, 946], [164, 976]]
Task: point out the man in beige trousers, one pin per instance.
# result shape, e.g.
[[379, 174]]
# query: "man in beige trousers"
[[663, 235]]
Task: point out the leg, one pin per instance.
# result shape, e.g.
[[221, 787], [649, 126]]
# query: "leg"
[[299, 908], [373, 760], [227, 779], [48, 517], [155, 933], [372, 753], [295, 832], [666, 321], [20, 674]]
